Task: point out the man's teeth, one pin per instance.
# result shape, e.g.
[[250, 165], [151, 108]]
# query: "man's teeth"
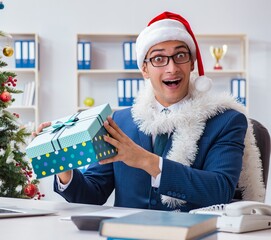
[[174, 82]]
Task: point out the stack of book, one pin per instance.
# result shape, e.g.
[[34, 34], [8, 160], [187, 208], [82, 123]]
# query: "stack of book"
[[27, 98]]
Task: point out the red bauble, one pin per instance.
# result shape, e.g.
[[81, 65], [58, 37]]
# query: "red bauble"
[[16, 115], [30, 190], [5, 96]]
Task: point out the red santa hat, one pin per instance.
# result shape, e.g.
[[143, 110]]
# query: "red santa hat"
[[170, 26]]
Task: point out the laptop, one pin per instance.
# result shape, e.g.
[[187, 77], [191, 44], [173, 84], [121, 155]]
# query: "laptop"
[[11, 212]]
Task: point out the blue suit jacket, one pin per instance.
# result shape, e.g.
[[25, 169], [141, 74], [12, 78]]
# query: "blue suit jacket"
[[210, 180]]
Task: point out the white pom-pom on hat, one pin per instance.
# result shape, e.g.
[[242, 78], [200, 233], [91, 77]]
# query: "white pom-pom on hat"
[[203, 84], [170, 26]]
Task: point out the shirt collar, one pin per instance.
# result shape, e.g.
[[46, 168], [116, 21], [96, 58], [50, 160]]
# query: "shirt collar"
[[174, 107]]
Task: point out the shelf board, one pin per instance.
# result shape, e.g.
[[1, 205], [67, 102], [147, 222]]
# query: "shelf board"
[[224, 36], [225, 72], [117, 71], [107, 71], [23, 34], [106, 37], [23, 107], [20, 70]]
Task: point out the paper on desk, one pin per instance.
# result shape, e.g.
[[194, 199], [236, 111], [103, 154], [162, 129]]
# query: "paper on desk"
[[110, 212]]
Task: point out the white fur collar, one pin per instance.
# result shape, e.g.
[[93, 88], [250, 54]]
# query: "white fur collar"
[[189, 123]]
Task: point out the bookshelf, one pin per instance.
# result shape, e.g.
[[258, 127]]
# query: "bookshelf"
[[26, 103], [107, 65], [234, 62]]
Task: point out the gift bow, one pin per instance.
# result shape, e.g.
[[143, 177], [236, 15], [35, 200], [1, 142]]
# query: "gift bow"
[[58, 125]]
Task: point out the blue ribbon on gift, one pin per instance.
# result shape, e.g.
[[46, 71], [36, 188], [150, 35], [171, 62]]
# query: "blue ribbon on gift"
[[69, 123], [58, 125]]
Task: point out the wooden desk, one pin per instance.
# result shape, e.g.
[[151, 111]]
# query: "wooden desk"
[[53, 228]]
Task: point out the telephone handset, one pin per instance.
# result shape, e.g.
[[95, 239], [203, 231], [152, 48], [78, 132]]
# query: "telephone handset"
[[241, 216], [247, 208]]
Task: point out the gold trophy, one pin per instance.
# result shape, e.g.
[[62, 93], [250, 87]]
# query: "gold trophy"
[[218, 53]]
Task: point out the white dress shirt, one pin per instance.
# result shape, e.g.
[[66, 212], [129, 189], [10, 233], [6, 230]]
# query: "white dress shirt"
[[155, 182]]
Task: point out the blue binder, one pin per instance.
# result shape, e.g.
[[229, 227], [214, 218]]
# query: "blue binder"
[[135, 84], [128, 89], [128, 92], [25, 54], [87, 55], [129, 55], [238, 89], [133, 56], [124, 92], [80, 55], [18, 53], [120, 90], [126, 55], [31, 53], [84, 55]]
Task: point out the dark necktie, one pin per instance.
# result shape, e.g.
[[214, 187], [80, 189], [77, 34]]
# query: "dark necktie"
[[161, 139], [160, 144]]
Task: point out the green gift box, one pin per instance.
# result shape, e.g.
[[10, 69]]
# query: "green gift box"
[[71, 142]]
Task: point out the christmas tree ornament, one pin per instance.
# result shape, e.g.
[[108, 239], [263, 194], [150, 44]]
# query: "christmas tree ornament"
[[5, 96], [16, 115], [10, 82], [31, 190], [1, 5], [8, 51]]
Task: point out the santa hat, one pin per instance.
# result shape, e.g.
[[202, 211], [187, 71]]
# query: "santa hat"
[[170, 26]]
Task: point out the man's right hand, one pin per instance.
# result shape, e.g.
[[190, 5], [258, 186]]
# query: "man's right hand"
[[65, 176]]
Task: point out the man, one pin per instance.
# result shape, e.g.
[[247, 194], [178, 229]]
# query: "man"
[[206, 136]]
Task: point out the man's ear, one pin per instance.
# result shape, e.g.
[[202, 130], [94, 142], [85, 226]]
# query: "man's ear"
[[192, 66], [145, 71]]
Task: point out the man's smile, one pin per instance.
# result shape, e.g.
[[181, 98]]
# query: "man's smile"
[[172, 83]]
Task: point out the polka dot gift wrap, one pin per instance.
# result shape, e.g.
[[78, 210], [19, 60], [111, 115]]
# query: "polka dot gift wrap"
[[71, 142]]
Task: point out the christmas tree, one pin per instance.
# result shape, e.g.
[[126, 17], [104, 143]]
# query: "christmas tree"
[[16, 177]]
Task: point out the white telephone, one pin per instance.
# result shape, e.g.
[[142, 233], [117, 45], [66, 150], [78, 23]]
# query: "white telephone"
[[238, 217]]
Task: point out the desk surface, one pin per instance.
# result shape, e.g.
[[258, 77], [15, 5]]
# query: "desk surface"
[[53, 227]]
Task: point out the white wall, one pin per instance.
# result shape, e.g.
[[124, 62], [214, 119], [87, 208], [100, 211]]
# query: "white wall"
[[58, 21]]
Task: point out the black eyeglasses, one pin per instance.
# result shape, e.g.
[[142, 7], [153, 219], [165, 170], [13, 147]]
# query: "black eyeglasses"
[[161, 61]]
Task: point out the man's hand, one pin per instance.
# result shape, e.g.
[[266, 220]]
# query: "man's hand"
[[41, 127], [128, 151]]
